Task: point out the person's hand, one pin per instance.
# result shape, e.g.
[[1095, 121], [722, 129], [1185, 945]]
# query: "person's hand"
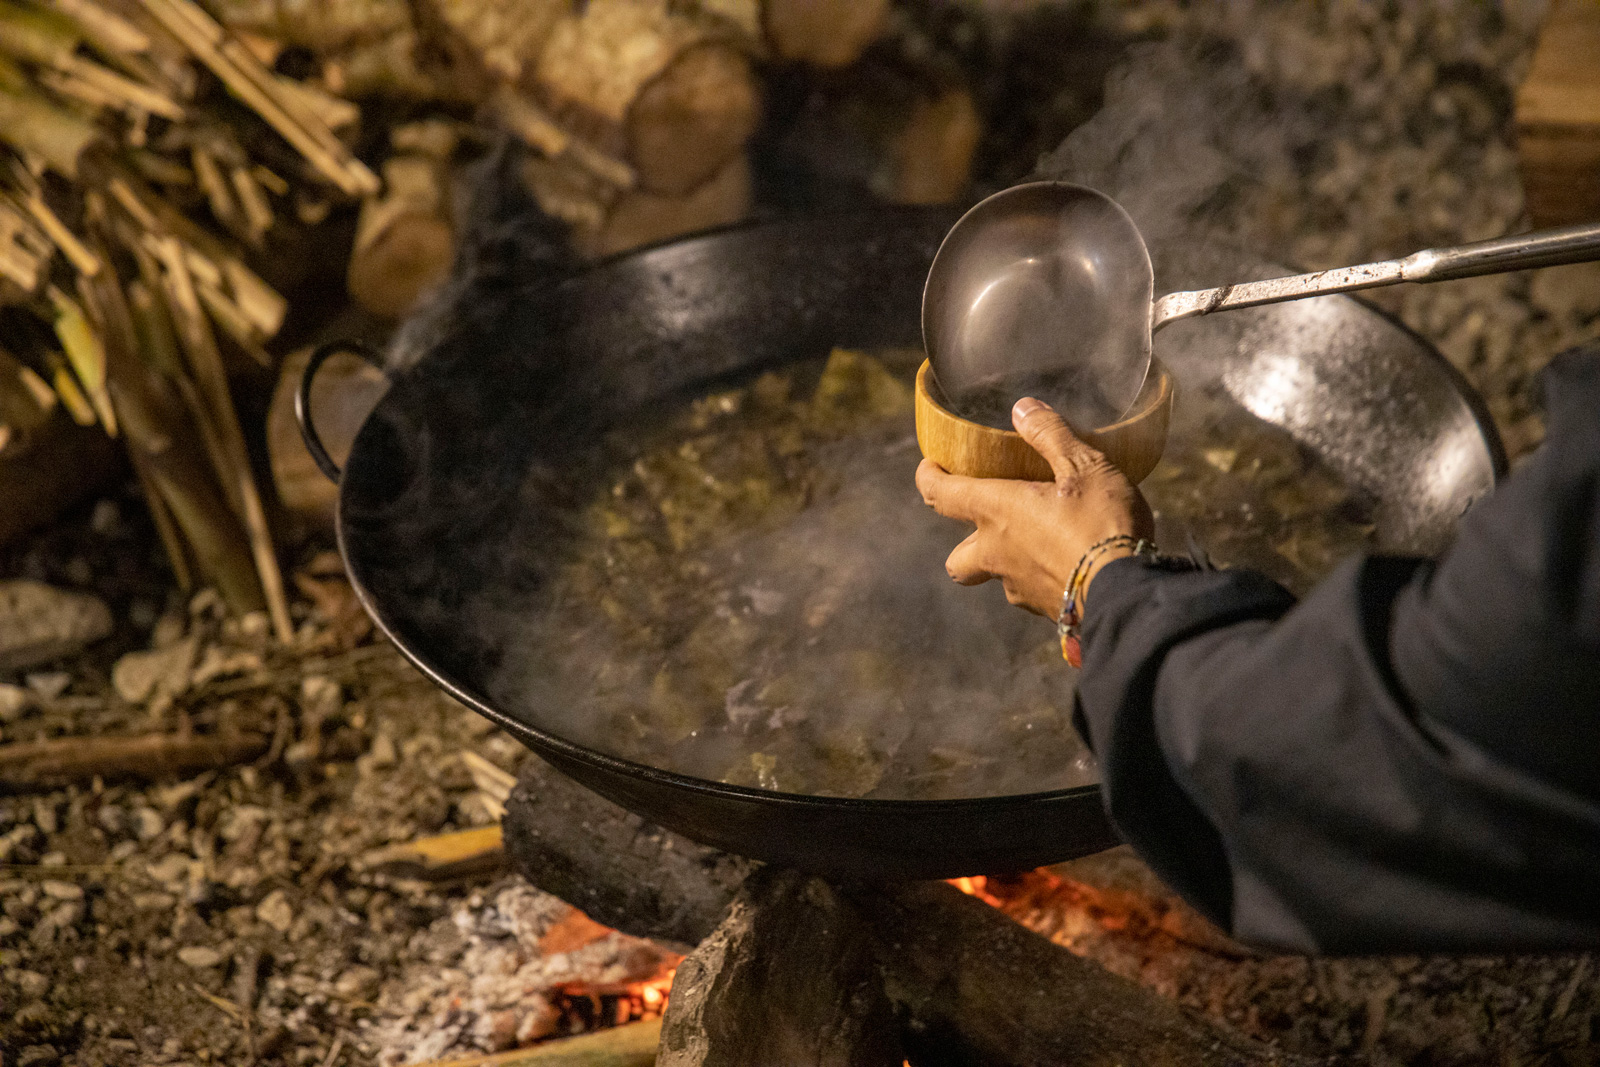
[[1030, 535]]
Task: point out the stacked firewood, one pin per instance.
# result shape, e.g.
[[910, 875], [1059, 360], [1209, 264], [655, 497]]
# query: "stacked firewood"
[[637, 111]]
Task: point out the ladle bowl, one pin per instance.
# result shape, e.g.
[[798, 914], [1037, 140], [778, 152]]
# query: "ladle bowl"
[[1041, 289], [1046, 289]]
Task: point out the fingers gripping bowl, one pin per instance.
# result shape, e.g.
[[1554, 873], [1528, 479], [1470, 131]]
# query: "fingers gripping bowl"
[[962, 446]]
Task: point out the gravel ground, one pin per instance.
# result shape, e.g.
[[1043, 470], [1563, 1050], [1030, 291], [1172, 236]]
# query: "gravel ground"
[[230, 917]]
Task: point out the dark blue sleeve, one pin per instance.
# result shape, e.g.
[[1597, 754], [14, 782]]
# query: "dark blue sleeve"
[[1409, 759]]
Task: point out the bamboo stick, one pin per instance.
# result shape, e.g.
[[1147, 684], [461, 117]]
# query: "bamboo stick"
[[493, 782], [66, 387], [126, 92], [36, 34], [156, 341], [206, 256], [273, 184], [205, 362], [254, 85], [234, 323], [219, 194], [72, 88], [258, 301], [629, 1045], [166, 526], [24, 251], [535, 126], [162, 420], [37, 126], [258, 218], [65, 760], [86, 353], [443, 857], [40, 389], [189, 515], [333, 112], [77, 253], [109, 31], [21, 408], [162, 170]]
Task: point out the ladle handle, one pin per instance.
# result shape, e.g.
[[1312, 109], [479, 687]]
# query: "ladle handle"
[[1542, 248]]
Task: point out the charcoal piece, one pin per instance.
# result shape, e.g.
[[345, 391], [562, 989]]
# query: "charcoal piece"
[[975, 988], [614, 866], [788, 977]]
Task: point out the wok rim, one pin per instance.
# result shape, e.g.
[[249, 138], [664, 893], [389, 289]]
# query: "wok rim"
[[539, 739]]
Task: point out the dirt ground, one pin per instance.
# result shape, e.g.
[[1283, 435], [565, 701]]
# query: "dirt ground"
[[233, 916]]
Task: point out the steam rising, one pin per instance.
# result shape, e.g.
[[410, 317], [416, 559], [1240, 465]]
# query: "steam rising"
[[824, 653]]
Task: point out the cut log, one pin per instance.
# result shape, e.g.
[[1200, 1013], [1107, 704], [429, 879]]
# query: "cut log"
[[605, 221], [507, 36], [614, 866], [389, 66], [67, 760], [789, 976], [828, 33], [1558, 118], [902, 134], [932, 152], [979, 989], [641, 218], [825, 33], [405, 241], [673, 96], [316, 24]]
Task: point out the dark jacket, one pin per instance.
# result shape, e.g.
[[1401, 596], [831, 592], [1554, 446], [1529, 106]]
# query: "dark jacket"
[[1407, 760]]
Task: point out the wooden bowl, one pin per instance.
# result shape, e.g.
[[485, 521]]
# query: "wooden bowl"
[[961, 446]]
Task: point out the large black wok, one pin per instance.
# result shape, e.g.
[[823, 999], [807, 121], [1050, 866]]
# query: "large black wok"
[[435, 510]]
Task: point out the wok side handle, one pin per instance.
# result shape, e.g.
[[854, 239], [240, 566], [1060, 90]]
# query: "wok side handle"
[[302, 399]]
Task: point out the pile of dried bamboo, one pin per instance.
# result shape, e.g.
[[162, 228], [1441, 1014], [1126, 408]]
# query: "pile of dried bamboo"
[[119, 120]]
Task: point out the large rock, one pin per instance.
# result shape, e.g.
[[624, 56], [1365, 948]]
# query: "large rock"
[[39, 623], [789, 976]]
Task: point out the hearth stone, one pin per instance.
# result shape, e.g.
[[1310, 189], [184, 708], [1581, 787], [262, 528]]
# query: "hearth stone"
[[789, 976]]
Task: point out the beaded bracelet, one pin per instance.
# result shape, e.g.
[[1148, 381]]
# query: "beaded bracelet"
[[1073, 596]]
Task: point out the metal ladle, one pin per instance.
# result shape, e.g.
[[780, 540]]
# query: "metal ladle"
[[1046, 289]]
